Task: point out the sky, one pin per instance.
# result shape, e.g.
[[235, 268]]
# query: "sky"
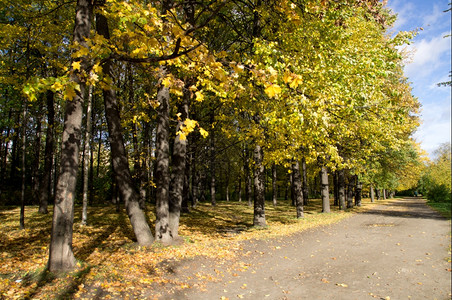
[[428, 65]]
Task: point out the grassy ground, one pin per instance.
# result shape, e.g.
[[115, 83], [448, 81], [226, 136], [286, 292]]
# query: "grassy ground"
[[444, 208], [108, 258]]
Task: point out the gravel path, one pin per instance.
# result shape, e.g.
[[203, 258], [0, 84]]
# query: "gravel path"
[[394, 251]]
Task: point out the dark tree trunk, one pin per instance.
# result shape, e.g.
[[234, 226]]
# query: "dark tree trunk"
[[212, 162], [274, 191], [372, 194], [341, 188], [305, 181], [178, 170], [44, 187], [350, 193], [194, 182], [297, 188], [119, 156], [37, 158], [24, 166], [335, 189], [325, 190], [358, 189], [248, 184], [259, 197], [162, 230], [61, 257], [86, 156]]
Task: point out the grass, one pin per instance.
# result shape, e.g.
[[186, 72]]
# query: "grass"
[[444, 208], [109, 261]]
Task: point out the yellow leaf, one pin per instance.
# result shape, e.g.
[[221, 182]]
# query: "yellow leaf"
[[272, 90], [76, 65], [199, 96], [182, 135], [97, 68], [203, 132]]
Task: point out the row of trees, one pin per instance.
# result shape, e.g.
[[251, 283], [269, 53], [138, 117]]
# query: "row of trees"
[[198, 96]]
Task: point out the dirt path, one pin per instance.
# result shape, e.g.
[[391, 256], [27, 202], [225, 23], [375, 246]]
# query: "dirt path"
[[393, 251]]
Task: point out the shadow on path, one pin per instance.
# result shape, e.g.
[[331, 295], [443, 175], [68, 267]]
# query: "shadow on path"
[[406, 208]]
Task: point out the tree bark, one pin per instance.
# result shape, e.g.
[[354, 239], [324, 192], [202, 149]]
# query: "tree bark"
[[305, 181], [24, 166], [358, 189], [259, 197], [325, 190], [350, 193], [341, 188], [162, 230], [86, 156], [44, 188], [178, 170], [297, 188], [212, 161], [61, 257], [118, 152], [372, 194], [274, 191]]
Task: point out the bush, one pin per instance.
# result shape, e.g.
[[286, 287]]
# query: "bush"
[[438, 193]]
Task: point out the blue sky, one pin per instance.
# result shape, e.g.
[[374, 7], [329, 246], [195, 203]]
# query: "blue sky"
[[429, 63]]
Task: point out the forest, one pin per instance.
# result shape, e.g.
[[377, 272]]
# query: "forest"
[[174, 103]]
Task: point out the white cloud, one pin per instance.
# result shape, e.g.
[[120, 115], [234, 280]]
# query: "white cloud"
[[429, 55]]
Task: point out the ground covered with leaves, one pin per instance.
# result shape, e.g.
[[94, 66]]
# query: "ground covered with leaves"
[[111, 265]]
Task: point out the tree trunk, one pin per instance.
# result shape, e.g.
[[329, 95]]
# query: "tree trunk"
[[325, 190], [372, 194], [24, 167], [178, 170], [274, 191], [212, 161], [44, 188], [358, 189], [350, 193], [162, 230], [305, 181], [118, 152], [335, 189], [384, 194], [248, 184], [61, 257], [297, 189], [37, 157], [259, 197], [341, 188], [86, 156]]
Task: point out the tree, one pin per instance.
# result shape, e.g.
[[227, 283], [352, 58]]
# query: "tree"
[[61, 257]]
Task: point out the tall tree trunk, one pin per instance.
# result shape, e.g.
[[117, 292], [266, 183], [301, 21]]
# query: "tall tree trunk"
[[162, 230], [178, 170], [259, 197], [274, 191], [358, 189], [44, 187], [24, 166], [194, 182], [246, 166], [335, 189], [118, 152], [372, 193], [212, 161], [350, 193], [37, 157], [297, 189], [86, 156], [325, 189], [305, 181], [384, 194], [341, 188], [61, 257]]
